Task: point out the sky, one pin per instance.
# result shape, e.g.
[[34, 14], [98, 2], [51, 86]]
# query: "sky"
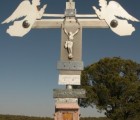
[[28, 71]]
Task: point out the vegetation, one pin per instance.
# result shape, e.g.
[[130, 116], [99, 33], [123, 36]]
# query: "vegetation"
[[93, 118], [14, 117], [113, 85]]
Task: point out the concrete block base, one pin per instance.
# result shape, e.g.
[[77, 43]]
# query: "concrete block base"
[[66, 111]]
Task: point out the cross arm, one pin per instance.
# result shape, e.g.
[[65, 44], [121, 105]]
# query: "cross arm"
[[77, 15], [57, 23]]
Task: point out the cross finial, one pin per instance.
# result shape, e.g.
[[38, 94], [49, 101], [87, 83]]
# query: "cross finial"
[[70, 0]]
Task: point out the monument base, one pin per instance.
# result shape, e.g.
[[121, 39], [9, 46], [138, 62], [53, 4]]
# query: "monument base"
[[66, 111]]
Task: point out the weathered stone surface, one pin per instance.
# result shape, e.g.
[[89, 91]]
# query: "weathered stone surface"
[[69, 93]]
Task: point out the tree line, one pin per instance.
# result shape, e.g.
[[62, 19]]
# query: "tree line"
[[17, 117]]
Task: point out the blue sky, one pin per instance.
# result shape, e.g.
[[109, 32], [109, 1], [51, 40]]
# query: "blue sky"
[[28, 71]]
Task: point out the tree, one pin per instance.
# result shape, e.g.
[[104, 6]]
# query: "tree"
[[113, 85]]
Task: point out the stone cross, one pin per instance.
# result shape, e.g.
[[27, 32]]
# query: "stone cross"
[[70, 64]]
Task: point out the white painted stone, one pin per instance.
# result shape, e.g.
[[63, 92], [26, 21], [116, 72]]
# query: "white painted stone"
[[69, 79]]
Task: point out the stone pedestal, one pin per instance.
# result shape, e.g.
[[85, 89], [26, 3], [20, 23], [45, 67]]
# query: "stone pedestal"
[[66, 111]]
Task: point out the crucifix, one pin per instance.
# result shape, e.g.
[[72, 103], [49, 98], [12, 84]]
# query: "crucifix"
[[71, 24], [69, 43]]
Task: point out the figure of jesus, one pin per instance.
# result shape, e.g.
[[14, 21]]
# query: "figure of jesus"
[[69, 42]]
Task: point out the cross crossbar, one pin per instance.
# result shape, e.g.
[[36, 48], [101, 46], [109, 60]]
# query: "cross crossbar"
[[57, 23], [77, 15]]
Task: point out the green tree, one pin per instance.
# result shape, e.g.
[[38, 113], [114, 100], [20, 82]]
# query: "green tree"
[[113, 85]]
